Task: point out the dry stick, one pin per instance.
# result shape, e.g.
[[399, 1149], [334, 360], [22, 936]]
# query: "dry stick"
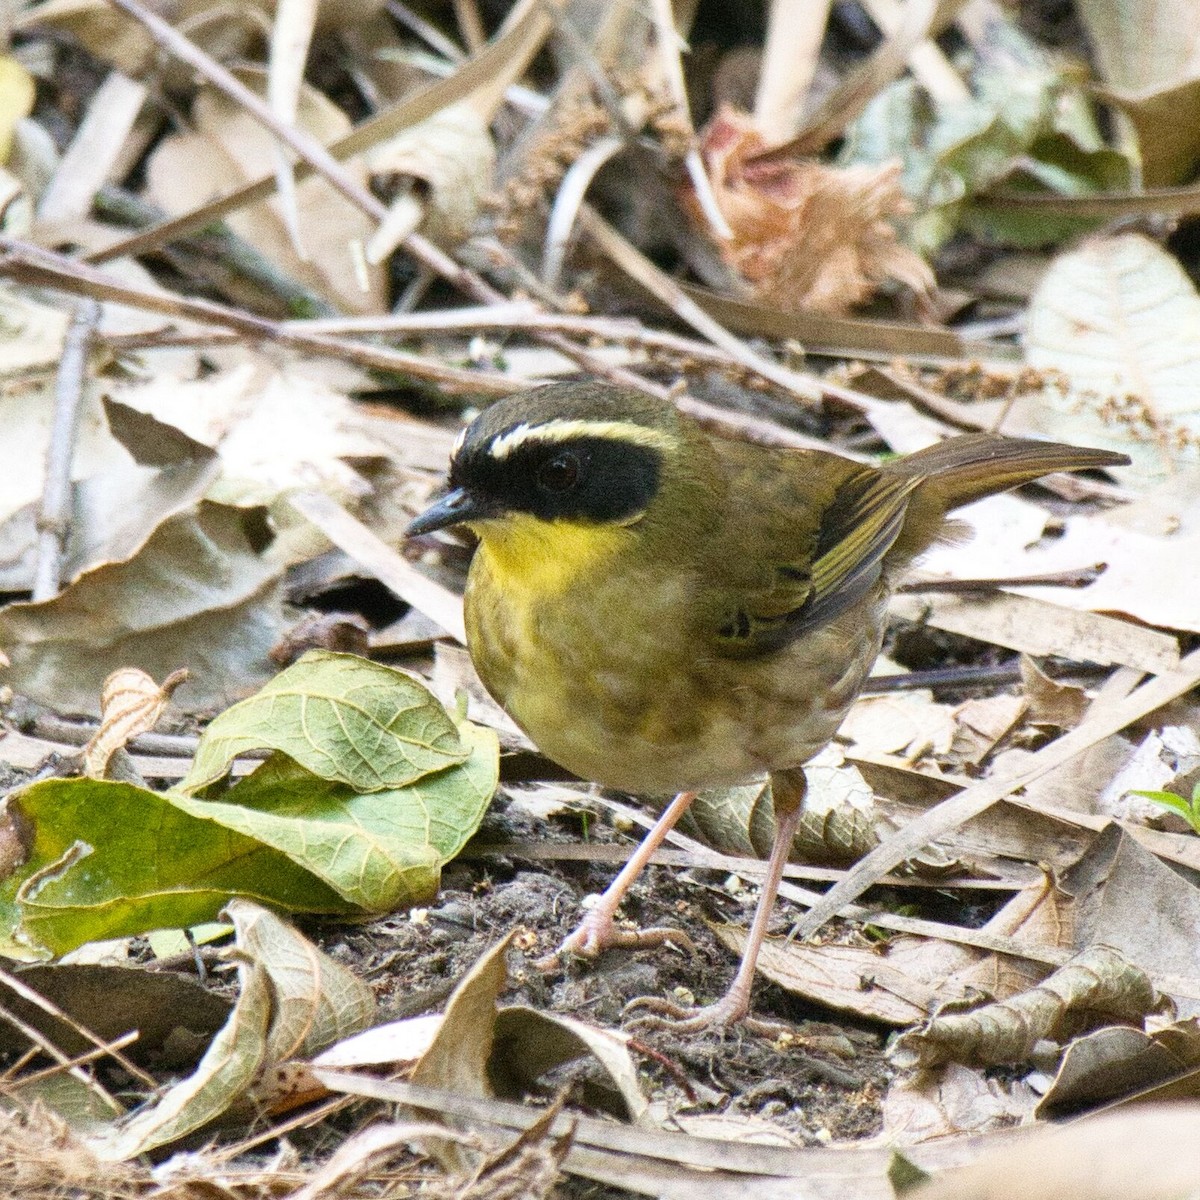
[[55, 515], [950, 814], [41, 268]]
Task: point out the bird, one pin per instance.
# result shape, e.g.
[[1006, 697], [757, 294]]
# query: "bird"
[[663, 610]]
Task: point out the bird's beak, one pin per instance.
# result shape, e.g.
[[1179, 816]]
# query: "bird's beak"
[[454, 508]]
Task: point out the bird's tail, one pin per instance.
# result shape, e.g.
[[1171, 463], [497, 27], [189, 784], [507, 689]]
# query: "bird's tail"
[[963, 469], [967, 468]]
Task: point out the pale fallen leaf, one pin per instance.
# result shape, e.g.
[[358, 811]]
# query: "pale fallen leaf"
[[1116, 325], [907, 723], [1148, 1153], [447, 161], [131, 703], [928, 1105], [806, 235], [227, 149]]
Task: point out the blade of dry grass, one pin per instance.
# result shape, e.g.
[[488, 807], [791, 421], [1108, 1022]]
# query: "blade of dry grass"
[[790, 55], [93, 151]]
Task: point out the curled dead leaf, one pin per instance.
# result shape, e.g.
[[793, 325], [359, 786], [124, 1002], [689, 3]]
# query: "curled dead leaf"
[[131, 703], [439, 171], [806, 235], [1097, 986]]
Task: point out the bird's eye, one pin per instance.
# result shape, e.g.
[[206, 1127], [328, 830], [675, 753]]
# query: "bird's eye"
[[559, 474]]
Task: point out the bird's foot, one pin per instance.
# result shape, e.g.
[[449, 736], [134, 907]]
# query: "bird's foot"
[[598, 931], [732, 1009]]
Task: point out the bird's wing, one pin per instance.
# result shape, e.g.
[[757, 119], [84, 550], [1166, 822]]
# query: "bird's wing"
[[816, 550]]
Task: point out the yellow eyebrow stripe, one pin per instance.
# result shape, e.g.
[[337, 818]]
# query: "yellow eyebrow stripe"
[[567, 430]]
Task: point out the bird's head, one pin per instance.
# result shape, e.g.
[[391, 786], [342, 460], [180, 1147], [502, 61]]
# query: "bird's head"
[[570, 455]]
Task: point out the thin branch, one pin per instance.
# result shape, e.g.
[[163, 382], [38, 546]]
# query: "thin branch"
[[41, 268], [54, 517]]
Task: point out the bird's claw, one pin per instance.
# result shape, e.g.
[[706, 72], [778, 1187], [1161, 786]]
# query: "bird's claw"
[[680, 1018], [592, 938]]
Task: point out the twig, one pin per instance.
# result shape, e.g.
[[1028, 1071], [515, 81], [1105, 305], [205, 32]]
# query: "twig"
[[55, 514], [1081, 577], [1002, 673]]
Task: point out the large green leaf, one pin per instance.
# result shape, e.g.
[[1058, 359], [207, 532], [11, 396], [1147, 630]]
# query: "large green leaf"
[[379, 850], [342, 718], [111, 860]]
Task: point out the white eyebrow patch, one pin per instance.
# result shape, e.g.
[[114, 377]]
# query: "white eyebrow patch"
[[567, 430]]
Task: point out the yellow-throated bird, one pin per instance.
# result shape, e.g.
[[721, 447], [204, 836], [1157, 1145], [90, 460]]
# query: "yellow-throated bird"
[[662, 611]]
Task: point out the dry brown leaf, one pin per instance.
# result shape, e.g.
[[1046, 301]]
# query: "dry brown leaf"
[[1096, 986], [806, 235], [131, 703], [983, 723], [1061, 705]]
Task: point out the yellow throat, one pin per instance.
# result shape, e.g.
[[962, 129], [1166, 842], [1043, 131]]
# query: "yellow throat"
[[531, 559]]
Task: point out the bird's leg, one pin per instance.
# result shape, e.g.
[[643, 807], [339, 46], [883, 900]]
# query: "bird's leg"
[[597, 931], [787, 790]]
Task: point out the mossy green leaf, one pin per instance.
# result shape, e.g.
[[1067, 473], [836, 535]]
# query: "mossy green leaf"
[[344, 719], [111, 860]]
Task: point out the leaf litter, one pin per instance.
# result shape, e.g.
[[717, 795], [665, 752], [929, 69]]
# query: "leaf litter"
[[995, 872]]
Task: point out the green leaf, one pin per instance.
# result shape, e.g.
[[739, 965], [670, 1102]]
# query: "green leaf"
[[112, 860], [380, 851], [1023, 126], [1188, 810], [343, 718]]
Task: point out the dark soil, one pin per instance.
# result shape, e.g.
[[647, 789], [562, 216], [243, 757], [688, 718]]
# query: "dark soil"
[[796, 1082]]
